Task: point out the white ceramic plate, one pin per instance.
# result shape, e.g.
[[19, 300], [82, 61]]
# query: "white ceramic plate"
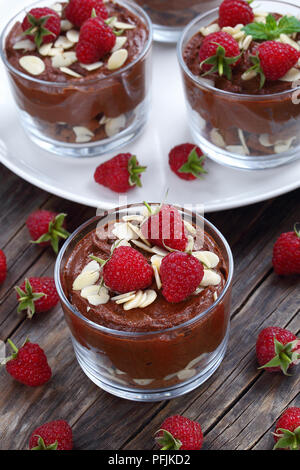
[[222, 188]]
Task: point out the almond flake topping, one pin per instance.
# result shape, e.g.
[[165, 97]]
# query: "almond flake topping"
[[83, 134], [25, 44], [73, 35], [115, 125], [64, 59], [63, 42], [32, 64], [117, 59], [123, 231], [210, 278], [91, 67], [70, 72], [120, 41], [210, 259], [121, 25]]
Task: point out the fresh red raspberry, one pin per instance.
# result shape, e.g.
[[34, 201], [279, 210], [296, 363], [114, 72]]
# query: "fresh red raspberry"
[[96, 39], [286, 253], [120, 174], [178, 432], [28, 364], [277, 349], [3, 266], [78, 11], [186, 161], [56, 435], [287, 431], [276, 59], [181, 274], [166, 229], [46, 228], [37, 24], [127, 270], [210, 49], [233, 12], [37, 294]]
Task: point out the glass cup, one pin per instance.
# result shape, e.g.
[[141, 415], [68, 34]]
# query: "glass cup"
[[169, 17], [84, 118], [241, 130], [153, 365]]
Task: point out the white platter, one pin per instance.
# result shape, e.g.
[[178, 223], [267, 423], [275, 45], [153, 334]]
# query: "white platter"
[[222, 188]]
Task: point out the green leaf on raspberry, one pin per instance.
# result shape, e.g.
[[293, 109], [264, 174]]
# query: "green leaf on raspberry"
[[38, 29], [194, 165], [167, 441], [134, 171], [42, 446], [297, 229], [55, 232], [102, 262], [272, 29], [288, 439], [27, 298], [220, 63], [284, 356]]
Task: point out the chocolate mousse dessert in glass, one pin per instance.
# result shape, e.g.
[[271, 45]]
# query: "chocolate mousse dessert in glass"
[[81, 86], [146, 293], [241, 77], [169, 17]]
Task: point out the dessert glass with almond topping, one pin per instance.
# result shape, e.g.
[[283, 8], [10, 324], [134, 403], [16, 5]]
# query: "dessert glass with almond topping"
[[242, 111], [86, 107], [141, 329], [169, 17]]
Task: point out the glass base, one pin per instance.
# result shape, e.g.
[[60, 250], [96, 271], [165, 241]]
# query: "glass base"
[[95, 372], [166, 33], [87, 149]]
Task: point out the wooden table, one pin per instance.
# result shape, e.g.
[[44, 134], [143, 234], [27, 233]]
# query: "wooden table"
[[237, 407]]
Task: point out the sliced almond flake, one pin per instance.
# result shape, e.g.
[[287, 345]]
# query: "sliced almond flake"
[[217, 138], [243, 141], [115, 125], [246, 43], [123, 296], [57, 7], [160, 251], [238, 149], [285, 39], [248, 75], [25, 44], [45, 49], [190, 228], [213, 28], [123, 231], [121, 25], [103, 119], [134, 302], [126, 299], [264, 139], [117, 59], [157, 277], [72, 35], [138, 232], [143, 246], [32, 64], [143, 382], [239, 35], [120, 41], [85, 279], [215, 296], [89, 290], [210, 278], [284, 145], [55, 51], [99, 299], [63, 42], [210, 259], [91, 266], [83, 134], [194, 362], [66, 25], [70, 72], [156, 261], [198, 290], [151, 296], [64, 59], [134, 217], [190, 243], [186, 374], [292, 76], [91, 67]]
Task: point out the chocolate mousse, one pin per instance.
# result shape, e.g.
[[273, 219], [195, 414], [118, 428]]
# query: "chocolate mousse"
[[183, 348], [81, 102], [238, 113]]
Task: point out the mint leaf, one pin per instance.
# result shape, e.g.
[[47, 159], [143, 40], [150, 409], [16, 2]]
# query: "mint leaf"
[[271, 29]]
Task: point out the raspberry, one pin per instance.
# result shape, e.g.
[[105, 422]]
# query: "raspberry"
[[28, 364], [178, 432], [233, 12], [287, 432], [277, 349], [181, 274], [3, 266], [127, 270], [120, 173], [37, 24], [78, 11], [286, 253], [276, 59], [46, 228], [219, 52], [96, 39], [186, 161], [56, 435], [37, 294]]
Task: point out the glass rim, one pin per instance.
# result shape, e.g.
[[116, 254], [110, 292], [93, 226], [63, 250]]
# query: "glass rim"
[[131, 334], [196, 79], [126, 3]]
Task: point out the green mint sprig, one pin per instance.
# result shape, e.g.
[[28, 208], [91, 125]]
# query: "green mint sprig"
[[272, 29]]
